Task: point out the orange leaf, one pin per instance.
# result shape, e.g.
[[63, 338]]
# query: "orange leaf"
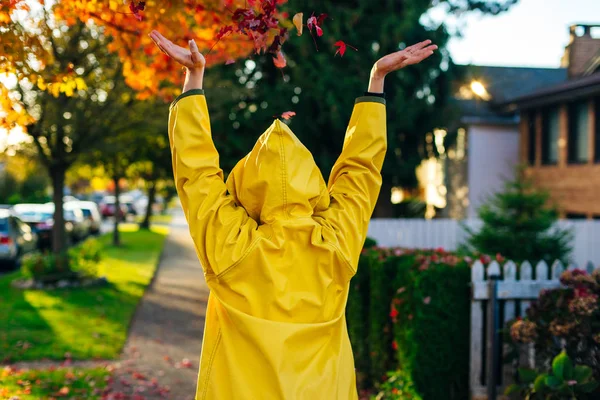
[[280, 61], [288, 114], [298, 18]]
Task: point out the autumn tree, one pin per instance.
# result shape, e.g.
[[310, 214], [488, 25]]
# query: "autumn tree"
[[63, 117], [321, 88]]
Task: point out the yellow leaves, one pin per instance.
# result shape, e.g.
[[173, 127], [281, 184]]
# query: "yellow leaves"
[[298, 22]]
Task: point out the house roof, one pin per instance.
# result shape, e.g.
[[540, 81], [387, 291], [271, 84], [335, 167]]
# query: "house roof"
[[503, 84], [565, 91]]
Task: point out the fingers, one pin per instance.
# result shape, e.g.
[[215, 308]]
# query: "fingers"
[[417, 46], [159, 40], [196, 56]]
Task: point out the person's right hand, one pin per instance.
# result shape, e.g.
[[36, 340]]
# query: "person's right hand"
[[190, 58]]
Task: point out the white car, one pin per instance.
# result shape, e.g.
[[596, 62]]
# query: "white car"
[[92, 213]]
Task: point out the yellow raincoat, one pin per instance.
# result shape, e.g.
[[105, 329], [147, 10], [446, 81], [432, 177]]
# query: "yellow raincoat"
[[278, 247]]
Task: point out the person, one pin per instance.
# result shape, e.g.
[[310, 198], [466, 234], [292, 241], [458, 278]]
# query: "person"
[[277, 245]]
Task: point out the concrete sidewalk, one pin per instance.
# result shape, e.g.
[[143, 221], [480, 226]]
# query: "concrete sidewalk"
[[160, 358]]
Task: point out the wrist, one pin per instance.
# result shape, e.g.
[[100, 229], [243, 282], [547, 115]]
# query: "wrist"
[[194, 78], [376, 83]]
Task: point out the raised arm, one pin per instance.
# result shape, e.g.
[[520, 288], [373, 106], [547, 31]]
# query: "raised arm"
[[355, 180], [222, 232]]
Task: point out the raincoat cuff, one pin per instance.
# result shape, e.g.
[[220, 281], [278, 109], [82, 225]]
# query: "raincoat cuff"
[[191, 92], [370, 99]]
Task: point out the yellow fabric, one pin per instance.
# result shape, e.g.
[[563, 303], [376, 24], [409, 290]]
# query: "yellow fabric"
[[278, 247]]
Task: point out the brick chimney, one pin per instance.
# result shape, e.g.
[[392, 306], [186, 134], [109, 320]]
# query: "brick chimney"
[[582, 48]]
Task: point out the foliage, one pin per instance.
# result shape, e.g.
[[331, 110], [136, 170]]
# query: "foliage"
[[398, 386], [519, 224], [53, 383], [23, 181], [86, 323], [47, 268], [565, 318], [565, 381], [400, 315], [85, 257]]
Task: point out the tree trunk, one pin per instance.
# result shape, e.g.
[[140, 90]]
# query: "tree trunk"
[[116, 236], [151, 196], [59, 239]]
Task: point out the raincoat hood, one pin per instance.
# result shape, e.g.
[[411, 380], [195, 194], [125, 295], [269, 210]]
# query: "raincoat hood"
[[278, 179]]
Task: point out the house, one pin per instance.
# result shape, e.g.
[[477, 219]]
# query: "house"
[[543, 117], [560, 129]]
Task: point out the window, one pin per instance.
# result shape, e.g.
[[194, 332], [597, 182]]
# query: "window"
[[531, 137], [578, 132], [597, 133], [550, 135]]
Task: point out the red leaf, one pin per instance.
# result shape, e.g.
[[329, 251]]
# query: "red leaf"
[[280, 61], [229, 61], [288, 114], [341, 48], [321, 19]]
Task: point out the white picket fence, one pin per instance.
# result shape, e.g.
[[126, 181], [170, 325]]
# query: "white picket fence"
[[514, 297], [449, 234]]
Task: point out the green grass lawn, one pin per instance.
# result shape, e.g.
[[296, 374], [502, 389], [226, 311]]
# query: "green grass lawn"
[[156, 219], [82, 323], [52, 384]]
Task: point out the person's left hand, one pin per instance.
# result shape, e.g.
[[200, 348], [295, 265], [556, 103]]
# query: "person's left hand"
[[410, 55]]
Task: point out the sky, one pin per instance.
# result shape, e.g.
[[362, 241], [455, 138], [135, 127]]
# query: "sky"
[[532, 33]]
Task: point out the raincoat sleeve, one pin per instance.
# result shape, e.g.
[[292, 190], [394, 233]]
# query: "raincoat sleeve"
[[223, 233], [355, 179]]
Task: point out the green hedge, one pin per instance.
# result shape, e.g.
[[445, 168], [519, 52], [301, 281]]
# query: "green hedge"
[[409, 310]]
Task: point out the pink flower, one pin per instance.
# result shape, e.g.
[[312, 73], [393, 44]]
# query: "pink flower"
[[499, 258], [427, 300], [571, 383], [398, 252]]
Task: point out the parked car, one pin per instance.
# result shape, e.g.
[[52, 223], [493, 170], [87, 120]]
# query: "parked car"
[[40, 218], [81, 225], [107, 207], [128, 202], [16, 238], [91, 212]]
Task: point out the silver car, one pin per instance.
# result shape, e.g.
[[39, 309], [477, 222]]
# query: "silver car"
[[16, 238]]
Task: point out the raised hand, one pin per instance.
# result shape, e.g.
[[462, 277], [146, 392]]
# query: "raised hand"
[[410, 55], [393, 62], [190, 58]]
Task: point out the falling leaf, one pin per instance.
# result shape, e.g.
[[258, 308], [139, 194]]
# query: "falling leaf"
[[298, 18], [288, 114], [185, 363], [229, 61], [342, 46], [313, 23], [280, 61]]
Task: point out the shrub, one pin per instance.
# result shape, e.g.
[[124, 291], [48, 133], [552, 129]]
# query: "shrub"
[[397, 386], [519, 224], [416, 310], [565, 318], [565, 381], [79, 261], [85, 258], [46, 268]]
